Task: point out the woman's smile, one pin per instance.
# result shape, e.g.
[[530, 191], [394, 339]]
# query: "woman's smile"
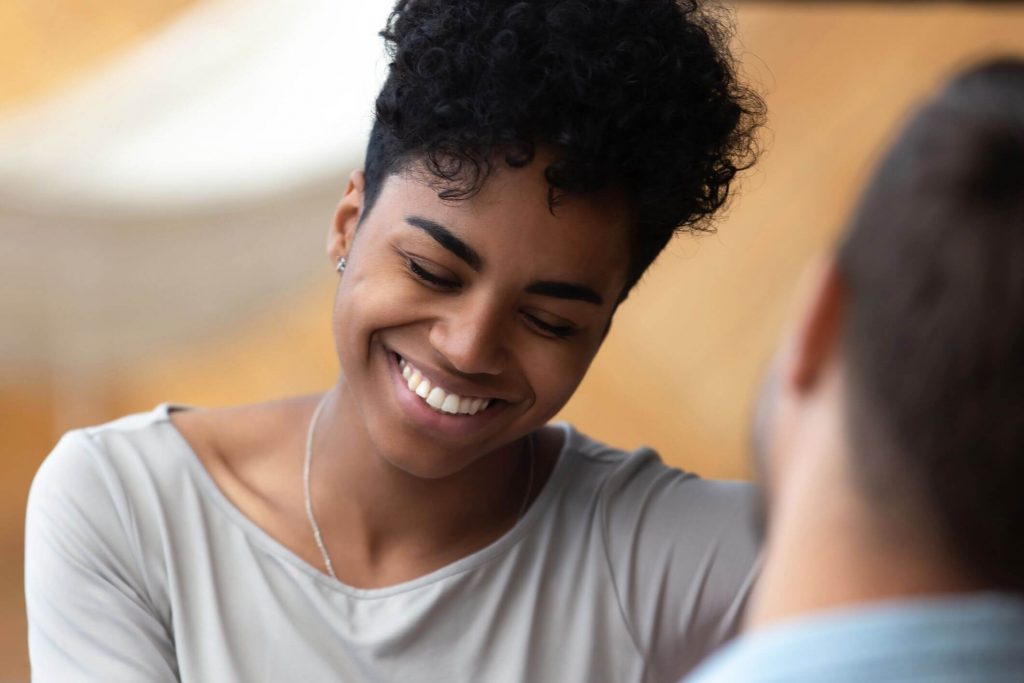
[[436, 396], [429, 399]]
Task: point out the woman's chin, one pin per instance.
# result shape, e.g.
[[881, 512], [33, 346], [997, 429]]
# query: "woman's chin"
[[426, 464]]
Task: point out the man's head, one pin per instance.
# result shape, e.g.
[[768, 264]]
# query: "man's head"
[[636, 97], [911, 341]]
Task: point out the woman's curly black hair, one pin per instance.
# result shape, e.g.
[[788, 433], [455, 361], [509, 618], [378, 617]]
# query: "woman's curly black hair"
[[641, 95]]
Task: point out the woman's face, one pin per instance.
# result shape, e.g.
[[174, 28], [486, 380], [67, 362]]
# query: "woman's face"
[[496, 302]]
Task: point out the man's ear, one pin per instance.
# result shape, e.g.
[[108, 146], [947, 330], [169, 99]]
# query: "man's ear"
[[820, 316], [346, 218]]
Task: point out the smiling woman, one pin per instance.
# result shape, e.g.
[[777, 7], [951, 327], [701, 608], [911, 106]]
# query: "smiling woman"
[[459, 290], [421, 520]]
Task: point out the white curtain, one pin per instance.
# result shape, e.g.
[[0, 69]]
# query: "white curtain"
[[186, 184]]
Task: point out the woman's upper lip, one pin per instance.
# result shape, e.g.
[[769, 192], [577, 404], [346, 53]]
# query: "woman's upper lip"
[[449, 383]]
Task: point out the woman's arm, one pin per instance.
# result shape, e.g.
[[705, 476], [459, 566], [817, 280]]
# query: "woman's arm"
[[90, 614], [683, 554]]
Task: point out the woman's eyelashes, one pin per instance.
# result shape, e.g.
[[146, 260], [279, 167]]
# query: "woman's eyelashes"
[[434, 281], [430, 278], [548, 329]]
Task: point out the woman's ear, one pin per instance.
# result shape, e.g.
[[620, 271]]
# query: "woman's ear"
[[817, 333], [346, 218]]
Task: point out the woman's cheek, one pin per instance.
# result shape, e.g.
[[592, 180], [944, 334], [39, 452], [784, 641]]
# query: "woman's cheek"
[[555, 372]]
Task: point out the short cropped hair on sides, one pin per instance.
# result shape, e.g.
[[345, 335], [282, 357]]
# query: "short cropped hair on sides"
[[934, 335], [639, 95]]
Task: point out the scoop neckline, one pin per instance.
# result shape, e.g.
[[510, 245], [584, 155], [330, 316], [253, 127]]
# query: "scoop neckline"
[[493, 550]]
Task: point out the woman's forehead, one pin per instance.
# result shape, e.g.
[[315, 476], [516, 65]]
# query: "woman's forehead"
[[511, 217]]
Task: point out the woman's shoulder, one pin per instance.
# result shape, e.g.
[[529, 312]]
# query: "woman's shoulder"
[[246, 437], [252, 454], [681, 550], [634, 495], [100, 482], [156, 448], [640, 474], [119, 467], [109, 447]]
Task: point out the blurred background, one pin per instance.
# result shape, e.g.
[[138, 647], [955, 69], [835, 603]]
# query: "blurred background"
[[168, 170]]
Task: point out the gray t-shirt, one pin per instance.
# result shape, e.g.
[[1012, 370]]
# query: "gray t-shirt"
[[138, 568]]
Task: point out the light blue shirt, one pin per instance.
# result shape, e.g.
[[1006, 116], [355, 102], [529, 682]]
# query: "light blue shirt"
[[942, 640]]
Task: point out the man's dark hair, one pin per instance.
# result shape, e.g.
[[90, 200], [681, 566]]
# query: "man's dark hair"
[[639, 95], [934, 338]]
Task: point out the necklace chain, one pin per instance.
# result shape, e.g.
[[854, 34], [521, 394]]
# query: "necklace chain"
[[318, 537]]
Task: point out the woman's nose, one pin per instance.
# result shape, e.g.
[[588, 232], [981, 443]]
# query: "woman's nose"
[[470, 338]]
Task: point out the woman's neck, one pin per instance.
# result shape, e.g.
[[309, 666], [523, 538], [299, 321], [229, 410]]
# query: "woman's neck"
[[383, 525]]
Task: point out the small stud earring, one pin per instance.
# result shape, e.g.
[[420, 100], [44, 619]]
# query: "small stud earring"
[[341, 264]]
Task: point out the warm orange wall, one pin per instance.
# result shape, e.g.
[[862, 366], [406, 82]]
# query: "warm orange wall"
[[682, 361], [44, 44]]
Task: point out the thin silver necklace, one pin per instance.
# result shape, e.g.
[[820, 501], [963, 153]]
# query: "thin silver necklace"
[[319, 538]]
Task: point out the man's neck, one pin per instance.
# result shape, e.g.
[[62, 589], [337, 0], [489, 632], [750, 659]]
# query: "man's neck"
[[826, 551]]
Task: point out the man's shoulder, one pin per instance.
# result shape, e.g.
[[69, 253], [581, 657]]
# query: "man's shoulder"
[[962, 639]]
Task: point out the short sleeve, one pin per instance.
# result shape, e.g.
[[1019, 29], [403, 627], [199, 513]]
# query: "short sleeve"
[[683, 553], [89, 615]]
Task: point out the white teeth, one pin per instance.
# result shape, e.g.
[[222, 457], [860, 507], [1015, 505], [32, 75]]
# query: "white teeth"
[[451, 403], [423, 390], [436, 397]]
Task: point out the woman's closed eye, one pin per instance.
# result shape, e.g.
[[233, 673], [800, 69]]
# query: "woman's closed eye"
[[557, 330], [430, 278]]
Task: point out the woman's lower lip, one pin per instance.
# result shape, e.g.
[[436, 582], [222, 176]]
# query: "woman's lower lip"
[[419, 412]]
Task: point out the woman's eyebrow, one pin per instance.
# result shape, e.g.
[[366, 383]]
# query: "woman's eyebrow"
[[565, 290], [558, 290], [446, 239]]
